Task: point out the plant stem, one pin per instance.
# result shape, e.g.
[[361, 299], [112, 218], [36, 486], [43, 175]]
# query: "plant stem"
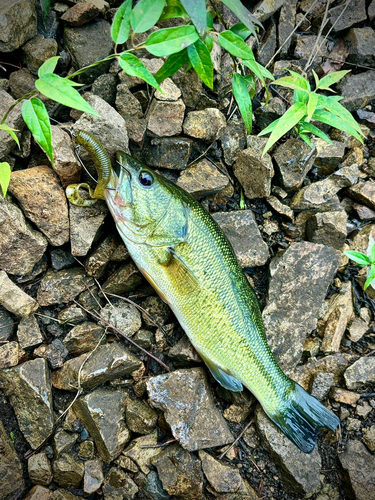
[[26, 96]]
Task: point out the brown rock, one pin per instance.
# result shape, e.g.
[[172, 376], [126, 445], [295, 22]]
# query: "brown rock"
[[37, 51], [14, 299], [18, 24], [63, 286], [364, 192], [344, 396], [165, 118], [359, 471], [85, 223], [66, 165], [202, 178], [10, 467], [39, 493], [80, 14], [123, 280], [9, 355], [68, 472], [39, 469], [206, 124], [254, 173], [337, 320]]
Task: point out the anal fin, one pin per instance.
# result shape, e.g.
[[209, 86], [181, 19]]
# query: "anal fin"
[[224, 379]]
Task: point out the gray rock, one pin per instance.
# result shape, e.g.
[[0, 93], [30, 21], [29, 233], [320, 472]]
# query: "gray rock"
[[190, 85], [328, 156], [39, 469], [233, 140], [364, 192], [362, 41], [267, 47], [89, 44], [154, 488], [322, 385], [62, 286], [165, 118], [143, 451], [144, 338], [42, 493], [67, 166], [371, 10], [304, 48], [18, 24], [157, 309], [93, 478], [60, 259], [9, 355], [243, 233], [63, 442], [98, 260], [37, 51], [367, 118], [266, 8], [123, 316], [108, 362], [286, 25], [118, 485], [328, 228], [68, 472], [343, 17], [85, 223], [83, 338], [280, 207], [72, 315], [10, 467], [6, 326], [125, 279], [47, 206], [180, 473], [294, 159], [102, 413], [127, 105], [55, 353], [105, 87], [14, 120], [359, 471], [140, 418], [358, 90], [168, 152], [170, 91], [80, 14], [29, 389], [369, 438], [186, 399], [205, 124], [14, 299], [299, 282], [360, 373], [267, 114], [21, 82], [28, 333], [254, 173], [183, 353], [299, 471], [223, 478], [202, 178]]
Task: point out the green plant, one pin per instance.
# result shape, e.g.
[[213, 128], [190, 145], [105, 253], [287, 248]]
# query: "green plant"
[[364, 261], [310, 105]]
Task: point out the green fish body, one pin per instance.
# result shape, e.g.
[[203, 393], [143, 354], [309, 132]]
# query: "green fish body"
[[185, 255]]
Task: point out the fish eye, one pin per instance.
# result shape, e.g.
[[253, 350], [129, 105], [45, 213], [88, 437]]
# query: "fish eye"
[[146, 179]]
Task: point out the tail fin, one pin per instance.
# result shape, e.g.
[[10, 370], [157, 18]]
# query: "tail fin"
[[301, 418]]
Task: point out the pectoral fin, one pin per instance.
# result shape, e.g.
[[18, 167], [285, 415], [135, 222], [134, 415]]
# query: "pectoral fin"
[[180, 274], [227, 381]]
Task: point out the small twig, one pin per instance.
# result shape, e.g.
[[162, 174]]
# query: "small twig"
[[348, 63], [159, 445], [93, 296], [203, 154], [237, 439], [54, 319], [314, 51], [255, 465], [103, 292]]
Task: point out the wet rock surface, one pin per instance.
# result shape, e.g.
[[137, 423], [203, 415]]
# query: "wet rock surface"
[[359, 467], [62, 286], [10, 466], [202, 178]]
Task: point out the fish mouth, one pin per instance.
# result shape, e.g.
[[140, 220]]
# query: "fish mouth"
[[119, 188]]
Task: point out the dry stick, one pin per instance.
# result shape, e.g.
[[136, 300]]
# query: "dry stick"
[[109, 325], [314, 51], [348, 63], [93, 296], [237, 439], [159, 445]]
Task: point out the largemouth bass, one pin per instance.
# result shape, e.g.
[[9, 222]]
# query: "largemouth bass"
[[189, 261]]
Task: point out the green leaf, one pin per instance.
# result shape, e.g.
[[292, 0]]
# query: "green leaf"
[[134, 67], [201, 61], [370, 277], [260, 71], [330, 79], [300, 96], [270, 128], [295, 82], [210, 20], [172, 10], [60, 90], [241, 94], [331, 104], [120, 28], [373, 254], [36, 118], [209, 43], [49, 66], [11, 131], [243, 14], [146, 14], [241, 30], [197, 13], [289, 119], [171, 40], [358, 257], [5, 172], [45, 5], [316, 78], [172, 65], [306, 139], [311, 105], [234, 45], [309, 127], [335, 121]]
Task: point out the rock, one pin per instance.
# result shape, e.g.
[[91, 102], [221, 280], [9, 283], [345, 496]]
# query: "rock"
[[254, 173], [59, 287], [105, 87], [168, 152], [143, 451], [267, 47], [67, 166], [18, 24], [344, 396], [237, 413], [61, 494], [222, 478], [118, 485], [304, 48], [286, 25], [202, 178], [72, 314], [203, 426], [123, 316], [243, 233], [299, 471], [369, 438], [157, 309], [266, 8], [83, 338], [127, 105], [367, 118], [233, 140], [29, 389], [21, 82], [68, 472], [87, 45], [85, 223], [360, 373], [55, 353], [358, 90], [80, 14], [37, 51], [166, 118], [364, 213], [14, 299], [190, 85], [357, 329], [328, 228], [125, 279], [9, 355], [363, 410], [341, 18], [6, 326], [14, 119], [39, 493], [361, 41], [93, 478], [206, 124], [60, 259], [154, 488], [28, 333], [300, 276], [108, 362], [359, 471], [180, 473], [10, 467], [86, 450], [322, 385], [364, 192], [63, 442], [183, 353], [170, 91], [98, 260], [39, 469], [280, 207], [140, 418], [46, 206], [328, 156]]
